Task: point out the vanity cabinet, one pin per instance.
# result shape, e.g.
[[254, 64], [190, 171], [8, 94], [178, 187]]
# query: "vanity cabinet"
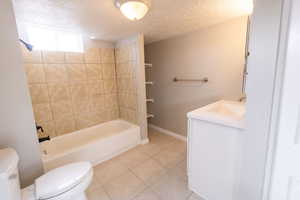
[[215, 134]]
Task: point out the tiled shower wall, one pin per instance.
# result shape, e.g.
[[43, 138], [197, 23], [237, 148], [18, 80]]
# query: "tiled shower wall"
[[71, 91], [126, 80], [131, 81]]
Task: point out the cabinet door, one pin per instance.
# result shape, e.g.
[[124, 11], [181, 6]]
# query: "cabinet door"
[[213, 159]]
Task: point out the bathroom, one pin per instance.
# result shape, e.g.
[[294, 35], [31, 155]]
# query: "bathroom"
[[163, 100]]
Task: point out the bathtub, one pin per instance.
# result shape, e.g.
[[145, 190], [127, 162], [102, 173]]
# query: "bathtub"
[[95, 144]]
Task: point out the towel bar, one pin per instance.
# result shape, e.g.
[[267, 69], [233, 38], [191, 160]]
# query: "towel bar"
[[204, 80]]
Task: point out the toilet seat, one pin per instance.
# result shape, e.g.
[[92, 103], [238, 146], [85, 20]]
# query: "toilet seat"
[[75, 193], [65, 183], [55, 183]]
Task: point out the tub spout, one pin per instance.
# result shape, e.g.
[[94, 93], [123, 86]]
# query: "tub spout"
[[44, 139]]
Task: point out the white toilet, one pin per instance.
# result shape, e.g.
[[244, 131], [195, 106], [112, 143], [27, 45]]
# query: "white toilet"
[[68, 182]]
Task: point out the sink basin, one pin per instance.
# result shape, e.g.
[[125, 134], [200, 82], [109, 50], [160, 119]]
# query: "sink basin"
[[228, 113]]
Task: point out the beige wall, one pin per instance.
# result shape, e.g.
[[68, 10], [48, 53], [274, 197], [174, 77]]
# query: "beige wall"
[[216, 52], [17, 129], [131, 81], [71, 91], [126, 79]]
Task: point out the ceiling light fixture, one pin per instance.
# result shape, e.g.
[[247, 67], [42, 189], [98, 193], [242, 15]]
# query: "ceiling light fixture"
[[133, 9]]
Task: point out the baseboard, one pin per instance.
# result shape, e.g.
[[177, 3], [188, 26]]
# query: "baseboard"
[[145, 141], [196, 192], [167, 132]]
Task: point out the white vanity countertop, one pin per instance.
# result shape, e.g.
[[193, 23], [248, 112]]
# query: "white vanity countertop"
[[227, 113]]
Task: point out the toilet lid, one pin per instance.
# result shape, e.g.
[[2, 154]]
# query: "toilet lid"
[[60, 180]]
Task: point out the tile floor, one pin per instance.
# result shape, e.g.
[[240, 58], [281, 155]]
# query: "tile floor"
[[154, 171]]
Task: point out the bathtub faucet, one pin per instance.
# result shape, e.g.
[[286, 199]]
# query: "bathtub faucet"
[[44, 139], [41, 139], [39, 128]]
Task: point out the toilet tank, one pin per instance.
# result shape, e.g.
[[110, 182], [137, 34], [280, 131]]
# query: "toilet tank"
[[9, 176]]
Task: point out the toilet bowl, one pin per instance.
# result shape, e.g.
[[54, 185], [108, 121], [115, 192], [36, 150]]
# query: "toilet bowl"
[[68, 182]]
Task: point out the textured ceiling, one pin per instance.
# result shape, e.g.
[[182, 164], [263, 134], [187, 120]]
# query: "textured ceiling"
[[100, 18]]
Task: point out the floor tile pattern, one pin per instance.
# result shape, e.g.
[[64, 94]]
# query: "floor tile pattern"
[[154, 171]]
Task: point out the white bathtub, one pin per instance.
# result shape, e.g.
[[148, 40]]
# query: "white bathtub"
[[95, 144]]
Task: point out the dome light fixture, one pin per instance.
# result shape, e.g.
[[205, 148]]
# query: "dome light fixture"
[[133, 9]]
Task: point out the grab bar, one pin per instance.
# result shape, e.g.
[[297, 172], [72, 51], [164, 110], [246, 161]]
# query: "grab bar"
[[204, 80]]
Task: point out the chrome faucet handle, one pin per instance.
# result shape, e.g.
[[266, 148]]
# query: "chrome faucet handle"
[[39, 128]]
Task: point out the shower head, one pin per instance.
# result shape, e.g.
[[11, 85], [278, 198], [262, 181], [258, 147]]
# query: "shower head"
[[29, 47]]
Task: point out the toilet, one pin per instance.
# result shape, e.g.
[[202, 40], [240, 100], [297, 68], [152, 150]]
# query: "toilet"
[[68, 182]]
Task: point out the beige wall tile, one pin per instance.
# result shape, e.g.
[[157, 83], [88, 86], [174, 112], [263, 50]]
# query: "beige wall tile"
[[31, 56], [108, 71], [131, 101], [39, 93], [94, 71], [79, 91], [129, 115], [92, 55], [56, 73], [65, 125], [121, 85], [68, 91], [122, 54], [110, 86], [109, 114], [81, 105], [72, 57], [126, 56], [97, 117], [126, 53], [117, 55], [133, 116], [42, 112], [61, 108], [97, 103], [121, 99], [107, 55], [58, 92], [132, 85], [76, 72], [115, 114], [53, 57], [128, 100], [120, 68], [123, 113], [95, 88], [132, 71], [132, 52], [85, 119], [111, 101], [125, 69], [35, 73], [126, 85]]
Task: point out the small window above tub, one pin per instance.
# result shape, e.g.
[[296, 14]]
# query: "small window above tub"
[[54, 40]]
